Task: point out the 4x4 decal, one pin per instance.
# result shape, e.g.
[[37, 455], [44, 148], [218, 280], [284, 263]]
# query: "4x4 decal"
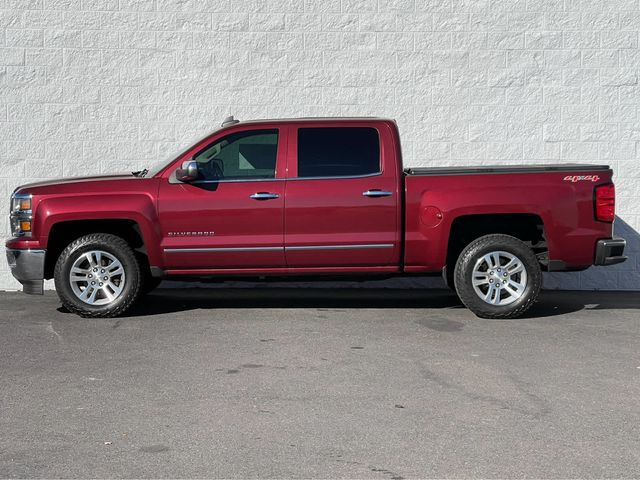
[[581, 178]]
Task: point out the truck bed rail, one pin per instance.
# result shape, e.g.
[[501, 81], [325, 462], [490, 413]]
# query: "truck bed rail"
[[493, 169]]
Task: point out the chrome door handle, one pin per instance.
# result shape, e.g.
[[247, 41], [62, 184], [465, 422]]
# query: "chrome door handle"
[[376, 193], [264, 196]]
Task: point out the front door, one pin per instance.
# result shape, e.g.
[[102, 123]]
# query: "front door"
[[341, 199], [231, 217]]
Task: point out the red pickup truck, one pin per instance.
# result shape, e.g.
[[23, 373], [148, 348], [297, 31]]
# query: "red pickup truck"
[[317, 198]]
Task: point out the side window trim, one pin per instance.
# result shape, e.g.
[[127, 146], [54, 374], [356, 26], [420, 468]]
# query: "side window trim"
[[293, 150], [339, 177]]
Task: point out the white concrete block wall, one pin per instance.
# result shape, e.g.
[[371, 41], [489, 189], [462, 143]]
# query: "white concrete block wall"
[[98, 86]]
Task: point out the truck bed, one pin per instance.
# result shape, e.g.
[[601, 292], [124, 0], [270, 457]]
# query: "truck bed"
[[567, 167]]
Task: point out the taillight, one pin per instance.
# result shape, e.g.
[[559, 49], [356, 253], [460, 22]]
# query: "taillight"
[[605, 203]]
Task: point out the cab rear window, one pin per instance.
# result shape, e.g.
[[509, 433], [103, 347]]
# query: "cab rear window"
[[338, 152]]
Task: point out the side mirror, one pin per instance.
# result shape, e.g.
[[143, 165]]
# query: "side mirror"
[[188, 172]]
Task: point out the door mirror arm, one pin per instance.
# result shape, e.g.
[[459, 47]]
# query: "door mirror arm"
[[188, 172]]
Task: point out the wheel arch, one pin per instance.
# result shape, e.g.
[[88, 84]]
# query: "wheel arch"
[[62, 233], [527, 227]]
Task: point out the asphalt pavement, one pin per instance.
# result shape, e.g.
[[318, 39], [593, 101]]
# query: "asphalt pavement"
[[321, 383]]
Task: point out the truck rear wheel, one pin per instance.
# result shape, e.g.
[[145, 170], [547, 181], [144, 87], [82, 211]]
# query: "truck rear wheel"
[[98, 275], [497, 276]]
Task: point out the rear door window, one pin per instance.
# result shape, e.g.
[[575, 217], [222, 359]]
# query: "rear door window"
[[338, 152]]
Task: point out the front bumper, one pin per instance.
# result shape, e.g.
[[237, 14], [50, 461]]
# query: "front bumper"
[[610, 251], [27, 266]]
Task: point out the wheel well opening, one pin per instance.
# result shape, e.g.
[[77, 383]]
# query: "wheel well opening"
[[63, 233], [526, 227]]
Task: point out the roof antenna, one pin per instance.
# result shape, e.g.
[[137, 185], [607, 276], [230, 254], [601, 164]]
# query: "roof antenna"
[[229, 121]]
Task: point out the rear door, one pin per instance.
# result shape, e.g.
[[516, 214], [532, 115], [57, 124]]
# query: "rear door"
[[341, 199]]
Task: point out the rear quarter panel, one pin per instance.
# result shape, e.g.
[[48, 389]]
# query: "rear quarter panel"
[[565, 207]]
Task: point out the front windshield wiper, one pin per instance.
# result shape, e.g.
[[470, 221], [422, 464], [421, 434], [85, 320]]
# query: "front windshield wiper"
[[140, 173]]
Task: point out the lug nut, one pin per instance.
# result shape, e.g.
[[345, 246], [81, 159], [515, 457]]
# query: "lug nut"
[[95, 269], [102, 271], [100, 283], [491, 272], [504, 281], [93, 283], [505, 274], [90, 276], [105, 278], [491, 280]]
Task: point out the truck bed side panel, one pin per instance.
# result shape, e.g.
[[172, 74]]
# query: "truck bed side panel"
[[565, 207]]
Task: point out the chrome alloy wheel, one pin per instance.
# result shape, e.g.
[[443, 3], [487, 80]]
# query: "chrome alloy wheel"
[[97, 277], [499, 278]]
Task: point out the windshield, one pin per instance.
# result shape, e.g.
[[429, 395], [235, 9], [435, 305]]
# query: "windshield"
[[158, 166]]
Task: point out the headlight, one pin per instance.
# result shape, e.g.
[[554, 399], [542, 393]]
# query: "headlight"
[[21, 203], [20, 215]]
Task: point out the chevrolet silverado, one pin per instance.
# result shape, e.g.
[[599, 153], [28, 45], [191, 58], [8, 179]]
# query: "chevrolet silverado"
[[321, 198]]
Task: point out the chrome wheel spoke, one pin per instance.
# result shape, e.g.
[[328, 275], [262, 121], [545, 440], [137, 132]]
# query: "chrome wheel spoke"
[[480, 279], [107, 293], [495, 257], [115, 289], [488, 260], [89, 294], [89, 259], [493, 295], [118, 271]]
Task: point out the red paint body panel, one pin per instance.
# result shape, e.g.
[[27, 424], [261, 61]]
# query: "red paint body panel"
[[94, 198], [235, 220], [334, 212], [565, 208], [235, 234]]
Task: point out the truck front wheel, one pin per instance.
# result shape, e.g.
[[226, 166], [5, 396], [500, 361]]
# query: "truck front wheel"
[[98, 275], [497, 276]]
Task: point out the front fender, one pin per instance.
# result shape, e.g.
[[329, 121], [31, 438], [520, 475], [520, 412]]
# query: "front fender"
[[137, 207]]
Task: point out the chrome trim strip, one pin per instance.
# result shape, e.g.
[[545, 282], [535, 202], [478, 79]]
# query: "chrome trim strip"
[[377, 174], [27, 250], [278, 249], [341, 247], [223, 249]]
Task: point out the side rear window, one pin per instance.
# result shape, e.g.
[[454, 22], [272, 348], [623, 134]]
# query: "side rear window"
[[338, 152]]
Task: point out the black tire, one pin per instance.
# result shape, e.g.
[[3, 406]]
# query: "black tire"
[[475, 251], [113, 245]]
